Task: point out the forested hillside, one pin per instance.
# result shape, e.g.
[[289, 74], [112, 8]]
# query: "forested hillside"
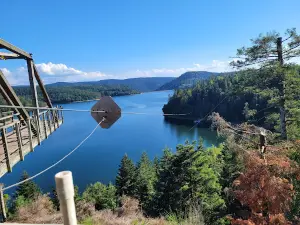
[[64, 94], [248, 95], [188, 79], [142, 84]]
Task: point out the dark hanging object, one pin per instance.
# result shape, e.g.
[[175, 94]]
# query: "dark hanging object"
[[110, 111]]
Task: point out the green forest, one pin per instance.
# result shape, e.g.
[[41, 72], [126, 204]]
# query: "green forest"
[[194, 185], [247, 96], [165, 186], [66, 94]]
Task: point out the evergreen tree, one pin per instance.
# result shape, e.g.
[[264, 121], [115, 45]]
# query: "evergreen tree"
[[126, 178], [191, 177], [28, 189], [145, 180], [272, 50], [101, 195], [156, 165], [293, 102], [163, 186]]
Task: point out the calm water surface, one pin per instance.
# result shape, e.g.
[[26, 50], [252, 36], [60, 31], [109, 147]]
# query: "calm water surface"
[[98, 158]]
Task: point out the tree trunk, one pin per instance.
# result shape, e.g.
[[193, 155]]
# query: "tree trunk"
[[282, 91]]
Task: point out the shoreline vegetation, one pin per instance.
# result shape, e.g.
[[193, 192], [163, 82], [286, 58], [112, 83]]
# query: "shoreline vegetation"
[[71, 94]]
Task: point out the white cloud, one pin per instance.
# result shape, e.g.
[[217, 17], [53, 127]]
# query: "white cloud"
[[215, 66], [52, 72], [57, 69], [5, 71], [62, 70]]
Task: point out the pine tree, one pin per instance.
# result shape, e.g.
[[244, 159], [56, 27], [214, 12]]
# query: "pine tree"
[[101, 195], [190, 177], [145, 180], [126, 178], [163, 187], [28, 189], [156, 165], [271, 50]]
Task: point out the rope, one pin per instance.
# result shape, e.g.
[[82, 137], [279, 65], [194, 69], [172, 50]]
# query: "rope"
[[53, 165], [265, 108], [87, 110], [209, 112]]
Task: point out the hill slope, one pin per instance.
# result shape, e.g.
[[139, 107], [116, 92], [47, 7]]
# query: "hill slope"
[[187, 79], [142, 84], [62, 93]]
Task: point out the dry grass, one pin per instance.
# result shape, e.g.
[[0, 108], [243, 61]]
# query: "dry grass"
[[128, 214], [39, 211], [42, 211]]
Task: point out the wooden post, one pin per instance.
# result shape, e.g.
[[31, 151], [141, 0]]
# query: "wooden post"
[[5, 147], [42, 87], [65, 193], [20, 126], [19, 139], [30, 134], [62, 115], [49, 121], [262, 142], [36, 120], [9, 94], [3, 209], [44, 121], [35, 100], [53, 119], [57, 113]]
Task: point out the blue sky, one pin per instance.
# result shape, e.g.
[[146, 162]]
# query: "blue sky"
[[74, 40]]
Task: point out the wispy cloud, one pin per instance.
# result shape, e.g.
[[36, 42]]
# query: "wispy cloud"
[[214, 66], [55, 72]]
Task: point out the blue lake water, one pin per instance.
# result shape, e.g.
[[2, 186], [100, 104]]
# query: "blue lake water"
[[98, 158]]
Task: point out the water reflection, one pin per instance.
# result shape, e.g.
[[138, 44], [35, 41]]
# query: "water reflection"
[[185, 131]]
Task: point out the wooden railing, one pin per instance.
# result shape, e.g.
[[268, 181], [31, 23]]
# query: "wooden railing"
[[21, 136]]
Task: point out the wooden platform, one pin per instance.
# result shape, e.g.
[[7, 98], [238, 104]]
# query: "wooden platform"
[[15, 141]]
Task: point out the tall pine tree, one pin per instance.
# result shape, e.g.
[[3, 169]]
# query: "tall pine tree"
[[272, 50], [191, 177], [126, 178], [28, 189], [145, 180]]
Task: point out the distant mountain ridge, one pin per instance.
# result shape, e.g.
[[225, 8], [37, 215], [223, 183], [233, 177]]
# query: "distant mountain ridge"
[[142, 84], [188, 79]]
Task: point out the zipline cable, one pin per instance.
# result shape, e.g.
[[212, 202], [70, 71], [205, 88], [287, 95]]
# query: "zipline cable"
[[208, 113], [87, 110], [53, 165]]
